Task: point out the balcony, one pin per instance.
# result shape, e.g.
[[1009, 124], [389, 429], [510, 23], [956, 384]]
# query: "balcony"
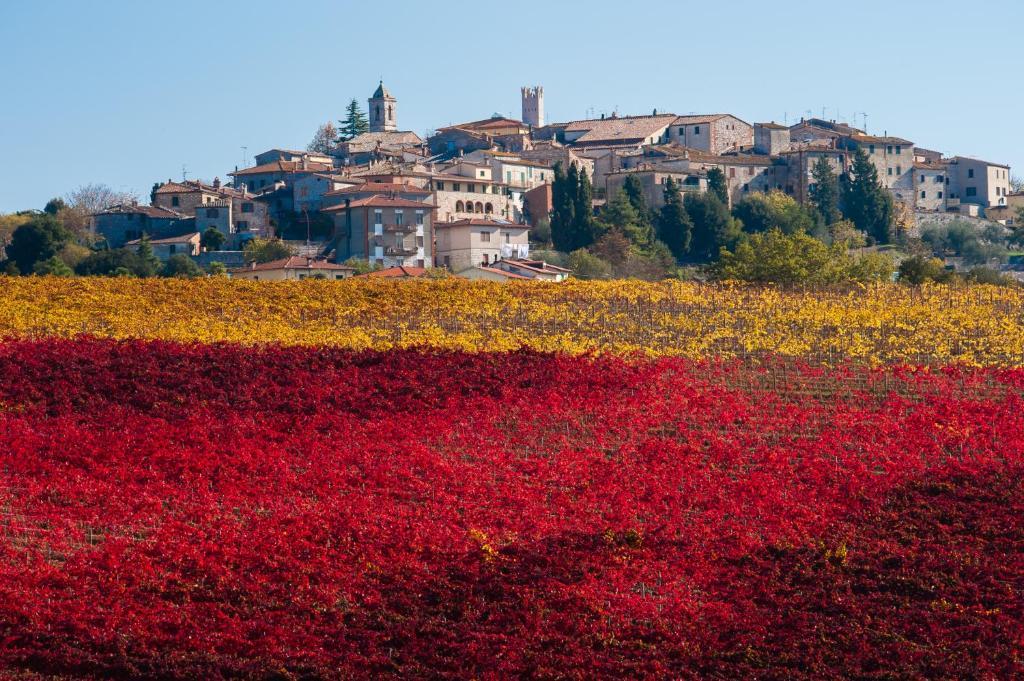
[[399, 250], [402, 229]]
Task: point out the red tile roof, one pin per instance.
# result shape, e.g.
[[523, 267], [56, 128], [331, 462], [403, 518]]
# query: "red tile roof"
[[401, 272], [378, 201], [383, 187], [182, 239], [148, 211], [480, 222], [510, 275]]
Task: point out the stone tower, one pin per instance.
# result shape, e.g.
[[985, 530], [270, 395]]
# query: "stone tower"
[[383, 110], [533, 106]]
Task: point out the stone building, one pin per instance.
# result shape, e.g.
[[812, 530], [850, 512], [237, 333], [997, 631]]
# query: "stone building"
[[291, 269], [652, 181], [472, 242], [184, 244], [383, 110], [291, 156], [126, 222], [712, 133], [799, 164], [385, 231], [615, 131], [239, 213], [533, 106], [930, 186], [771, 138], [976, 182]]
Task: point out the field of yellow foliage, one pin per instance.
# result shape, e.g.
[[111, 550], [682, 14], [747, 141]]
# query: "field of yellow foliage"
[[977, 325]]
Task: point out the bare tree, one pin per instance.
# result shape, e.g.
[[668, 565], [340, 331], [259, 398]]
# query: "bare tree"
[[1016, 183], [88, 200], [323, 140]]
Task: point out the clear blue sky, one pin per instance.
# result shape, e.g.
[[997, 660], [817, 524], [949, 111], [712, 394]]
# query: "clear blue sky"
[[125, 93]]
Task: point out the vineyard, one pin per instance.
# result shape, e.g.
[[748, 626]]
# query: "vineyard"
[[977, 326], [213, 479]]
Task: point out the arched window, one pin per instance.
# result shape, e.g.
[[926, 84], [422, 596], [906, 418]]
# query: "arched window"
[[488, 209], [391, 112], [459, 208], [479, 207], [377, 115]]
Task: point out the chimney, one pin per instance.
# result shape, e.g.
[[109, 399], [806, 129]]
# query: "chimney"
[[216, 183]]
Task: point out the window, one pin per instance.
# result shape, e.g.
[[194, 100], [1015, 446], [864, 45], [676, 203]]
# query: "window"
[[485, 236], [924, 195], [888, 150], [507, 237], [939, 195], [175, 201], [971, 191], [419, 217], [399, 217], [508, 175], [899, 170], [899, 150], [378, 217], [212, 213], [888, 171], [419, 242], [871, 148], [922, 179], [456, 187], [486, 260], [732, 172], [542, 176], [339, 276], [970, 172], [482, 174], [522, 178], [470, 187], [439, 186], [746, 187], [247, 207], [938, 178]]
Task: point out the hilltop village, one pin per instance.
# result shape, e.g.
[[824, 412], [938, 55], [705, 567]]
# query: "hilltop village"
[[501, 198]]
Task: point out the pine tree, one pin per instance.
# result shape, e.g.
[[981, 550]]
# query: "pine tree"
[[824, 192], [718, 186], [865, 201], [355, 122], [674, 225], [635, 192], [149, 263], [584, 209]]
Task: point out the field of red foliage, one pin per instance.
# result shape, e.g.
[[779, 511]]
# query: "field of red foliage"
[[217, 511]]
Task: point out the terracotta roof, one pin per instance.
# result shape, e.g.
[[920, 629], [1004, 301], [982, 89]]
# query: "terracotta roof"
[[401, 272], [619, 129], [480, 222], [385, 187], [489, 123], [284, 167], [294, 262], [369, 140], [184, 238], [925, 165], [380, 201], [148, 211], [773, 126], [504, 273], [978, 160]]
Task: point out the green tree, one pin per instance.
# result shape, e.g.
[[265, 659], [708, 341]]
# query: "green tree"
[[614, 248], [212, 239], [717, 185], [181, 266], [55, 206], [266, 250], [585, 265], [218, 269], [354, 124], [149, 264], [824, 191], [54, 267], [41, 238], [797, 258], [761, 212], [361, 265], [620, 214], [919, 269], [635, 193], [541, 233], [674, 225], [572, 219], [866, 201], [116, 262], [713, 225]]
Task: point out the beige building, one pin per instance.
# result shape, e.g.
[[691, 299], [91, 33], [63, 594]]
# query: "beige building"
[[976, 182], [291, 269], [616, 131], [930, 188], [474, 242], [163, 249], [1009, 214], [457, 197], [893, 157], [652, 181]]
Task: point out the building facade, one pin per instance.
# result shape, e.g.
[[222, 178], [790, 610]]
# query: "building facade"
[[474, 242], [389, 232]]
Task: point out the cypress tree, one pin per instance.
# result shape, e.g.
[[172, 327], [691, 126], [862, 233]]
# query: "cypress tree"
[[824, 193], [674, 225], [718, 186]]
